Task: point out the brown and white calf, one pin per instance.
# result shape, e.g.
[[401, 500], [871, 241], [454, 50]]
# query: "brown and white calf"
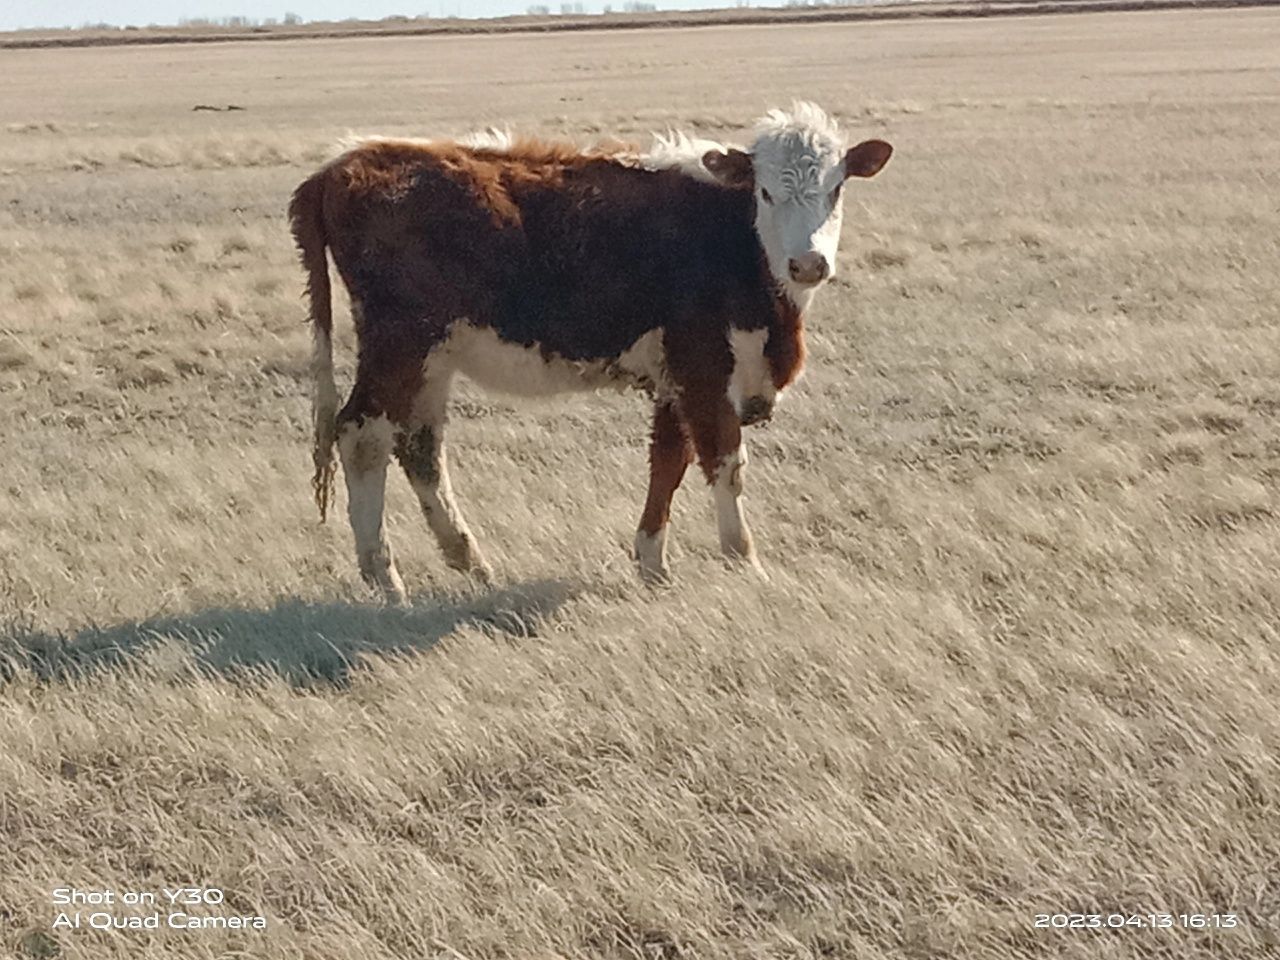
[[535, 268]]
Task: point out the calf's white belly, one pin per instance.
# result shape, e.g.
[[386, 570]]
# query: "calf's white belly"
[[498, 365]]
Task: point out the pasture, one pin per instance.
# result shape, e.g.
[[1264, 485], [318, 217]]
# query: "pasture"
[[1018, 652]]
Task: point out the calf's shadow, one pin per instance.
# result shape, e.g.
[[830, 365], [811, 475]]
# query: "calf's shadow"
[[305, 644]]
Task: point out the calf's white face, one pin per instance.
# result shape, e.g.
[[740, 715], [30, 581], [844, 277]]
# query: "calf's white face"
[[797, 166]]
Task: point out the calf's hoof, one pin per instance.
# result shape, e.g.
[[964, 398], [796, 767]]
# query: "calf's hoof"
[[650, 557], [378, 570], [464, 555], [481, 573]]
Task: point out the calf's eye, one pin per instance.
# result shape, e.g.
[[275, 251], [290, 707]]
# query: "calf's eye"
[[764, 195]]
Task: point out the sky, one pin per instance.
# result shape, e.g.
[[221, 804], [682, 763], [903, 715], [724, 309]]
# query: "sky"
[[18, 14]]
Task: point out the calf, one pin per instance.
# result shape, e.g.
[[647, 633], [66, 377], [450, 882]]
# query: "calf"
[[535, 268]]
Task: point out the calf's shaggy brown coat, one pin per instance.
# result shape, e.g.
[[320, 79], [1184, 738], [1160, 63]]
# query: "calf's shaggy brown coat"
[[508, 263]]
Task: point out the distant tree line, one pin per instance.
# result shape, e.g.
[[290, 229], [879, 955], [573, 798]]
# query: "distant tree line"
[[289, 20], [577, 9]]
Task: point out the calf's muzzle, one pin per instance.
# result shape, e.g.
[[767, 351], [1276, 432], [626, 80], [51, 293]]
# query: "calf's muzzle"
[[811, 267]]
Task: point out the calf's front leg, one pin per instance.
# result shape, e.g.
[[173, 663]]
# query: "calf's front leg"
[[421, 452], [717, 437], [670, 454]]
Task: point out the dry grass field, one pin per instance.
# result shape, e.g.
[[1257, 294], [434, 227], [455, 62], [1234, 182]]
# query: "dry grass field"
[[1019, 651]]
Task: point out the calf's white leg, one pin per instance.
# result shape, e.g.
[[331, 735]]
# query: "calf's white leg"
[[422, 455], [717, 437], [365, 444]]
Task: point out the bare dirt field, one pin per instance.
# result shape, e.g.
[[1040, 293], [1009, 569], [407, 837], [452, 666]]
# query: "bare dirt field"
[[1018, 655]]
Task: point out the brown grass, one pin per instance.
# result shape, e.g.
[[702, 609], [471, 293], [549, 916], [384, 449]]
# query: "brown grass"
[[1018, 654]]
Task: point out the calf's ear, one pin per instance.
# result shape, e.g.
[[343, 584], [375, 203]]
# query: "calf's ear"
[[866, 159], [732, 168]]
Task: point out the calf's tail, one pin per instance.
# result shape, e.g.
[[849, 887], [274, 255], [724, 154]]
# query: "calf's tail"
[[306, 220]]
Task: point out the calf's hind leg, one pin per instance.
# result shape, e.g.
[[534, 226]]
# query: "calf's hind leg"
[[420, 451], [365, 439]]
